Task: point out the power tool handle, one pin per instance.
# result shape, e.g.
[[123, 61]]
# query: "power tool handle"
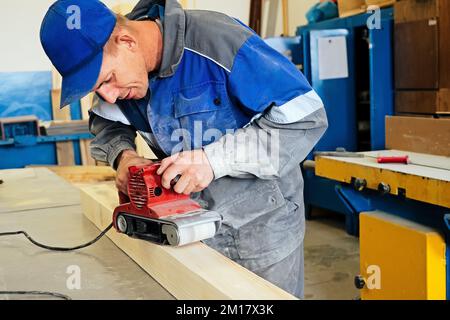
[[397, 159], [123, 198]]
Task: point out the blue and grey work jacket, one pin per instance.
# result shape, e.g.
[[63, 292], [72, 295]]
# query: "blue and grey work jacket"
[[221, 88]]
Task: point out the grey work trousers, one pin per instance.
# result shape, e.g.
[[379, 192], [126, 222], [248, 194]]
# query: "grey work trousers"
[[288, 274]]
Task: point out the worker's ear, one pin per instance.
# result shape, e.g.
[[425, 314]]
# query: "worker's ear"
[[125, 38]]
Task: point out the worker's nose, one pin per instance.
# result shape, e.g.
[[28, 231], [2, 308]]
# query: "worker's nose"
[[109, 93]]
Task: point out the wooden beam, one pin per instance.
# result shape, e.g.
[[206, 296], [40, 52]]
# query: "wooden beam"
[[285, 6], [143, 149], [86, 105], [256, 15], [190, 272], [84, 173], [64, 150]]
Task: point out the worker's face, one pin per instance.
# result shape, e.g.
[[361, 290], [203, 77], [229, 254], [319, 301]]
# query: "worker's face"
[[123, 74]]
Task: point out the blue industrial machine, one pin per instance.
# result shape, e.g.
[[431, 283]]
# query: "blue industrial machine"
[[356, 104], [24, 94]]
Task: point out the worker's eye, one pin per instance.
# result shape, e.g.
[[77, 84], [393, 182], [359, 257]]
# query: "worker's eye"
[[106, 81]]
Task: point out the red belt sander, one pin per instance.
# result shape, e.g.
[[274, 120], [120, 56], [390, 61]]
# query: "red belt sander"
[[160, 215]]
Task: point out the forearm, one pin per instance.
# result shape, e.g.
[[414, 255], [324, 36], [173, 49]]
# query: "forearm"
[[111, 139], [266, 149]]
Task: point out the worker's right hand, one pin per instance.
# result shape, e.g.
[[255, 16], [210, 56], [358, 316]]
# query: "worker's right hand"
[[128, 158]]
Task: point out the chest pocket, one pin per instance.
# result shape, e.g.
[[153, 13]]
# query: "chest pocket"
[[204, 109]]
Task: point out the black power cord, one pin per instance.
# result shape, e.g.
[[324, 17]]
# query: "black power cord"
[[37, 293], [57, 248], [44, 293]]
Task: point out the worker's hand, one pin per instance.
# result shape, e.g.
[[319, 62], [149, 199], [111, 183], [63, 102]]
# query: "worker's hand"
[[127, 159], [194, 168]]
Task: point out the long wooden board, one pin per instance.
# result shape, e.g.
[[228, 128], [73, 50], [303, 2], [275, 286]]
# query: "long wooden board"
[[64, 149], [84, 173], [190, 272], [86, 104]]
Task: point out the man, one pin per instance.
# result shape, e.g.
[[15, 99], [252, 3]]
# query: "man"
[[222, 109]]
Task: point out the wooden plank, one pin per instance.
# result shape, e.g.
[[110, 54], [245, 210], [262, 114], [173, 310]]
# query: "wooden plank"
[[143, 149], [84, 173], [272, 16], [380, 3], [420, 183], [423, 135], [422, 101], [64, 150], [444, 45], [419, 68], [34, 188], [190, 272], [351, 7], [285, 8], [86, 105], [413, 10], [256, 16]]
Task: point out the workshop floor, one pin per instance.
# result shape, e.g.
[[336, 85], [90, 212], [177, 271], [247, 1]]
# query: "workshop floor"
[[331, 258]]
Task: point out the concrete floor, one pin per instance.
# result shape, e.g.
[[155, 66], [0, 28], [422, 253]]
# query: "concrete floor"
[[331, 258]]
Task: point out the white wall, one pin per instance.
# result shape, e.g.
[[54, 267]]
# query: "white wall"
[[21, 19], [21, 49]]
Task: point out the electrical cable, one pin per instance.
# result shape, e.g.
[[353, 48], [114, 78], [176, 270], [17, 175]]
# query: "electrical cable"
[[2, 234], [45, 293], [37, 293]]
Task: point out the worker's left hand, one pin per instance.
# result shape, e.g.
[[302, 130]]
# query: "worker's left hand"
[[194, 168]]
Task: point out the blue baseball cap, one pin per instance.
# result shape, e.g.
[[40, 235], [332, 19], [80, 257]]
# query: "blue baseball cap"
[[73, 34]]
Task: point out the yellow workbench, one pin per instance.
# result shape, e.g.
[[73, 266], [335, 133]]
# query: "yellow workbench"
[[399, 258]]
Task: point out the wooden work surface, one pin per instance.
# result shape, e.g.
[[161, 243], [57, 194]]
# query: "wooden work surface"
[[426, 178], [48, 208], [34, 188]]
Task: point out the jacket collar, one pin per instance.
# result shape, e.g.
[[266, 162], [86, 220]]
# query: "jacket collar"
[[174, 23]]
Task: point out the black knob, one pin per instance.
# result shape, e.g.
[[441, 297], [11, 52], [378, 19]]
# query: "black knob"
[[217, 101], [158, 191], [360, 283], [384, 188], [359, 184]]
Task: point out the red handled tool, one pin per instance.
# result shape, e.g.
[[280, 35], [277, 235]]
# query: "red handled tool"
[[397, 159]]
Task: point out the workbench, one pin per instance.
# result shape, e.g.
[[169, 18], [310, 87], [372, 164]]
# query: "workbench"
[[402, 215], [58, 213]]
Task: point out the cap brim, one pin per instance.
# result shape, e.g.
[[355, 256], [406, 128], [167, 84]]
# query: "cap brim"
[[78, 84]]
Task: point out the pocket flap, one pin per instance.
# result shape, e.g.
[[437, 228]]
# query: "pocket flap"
[[203, 98]]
